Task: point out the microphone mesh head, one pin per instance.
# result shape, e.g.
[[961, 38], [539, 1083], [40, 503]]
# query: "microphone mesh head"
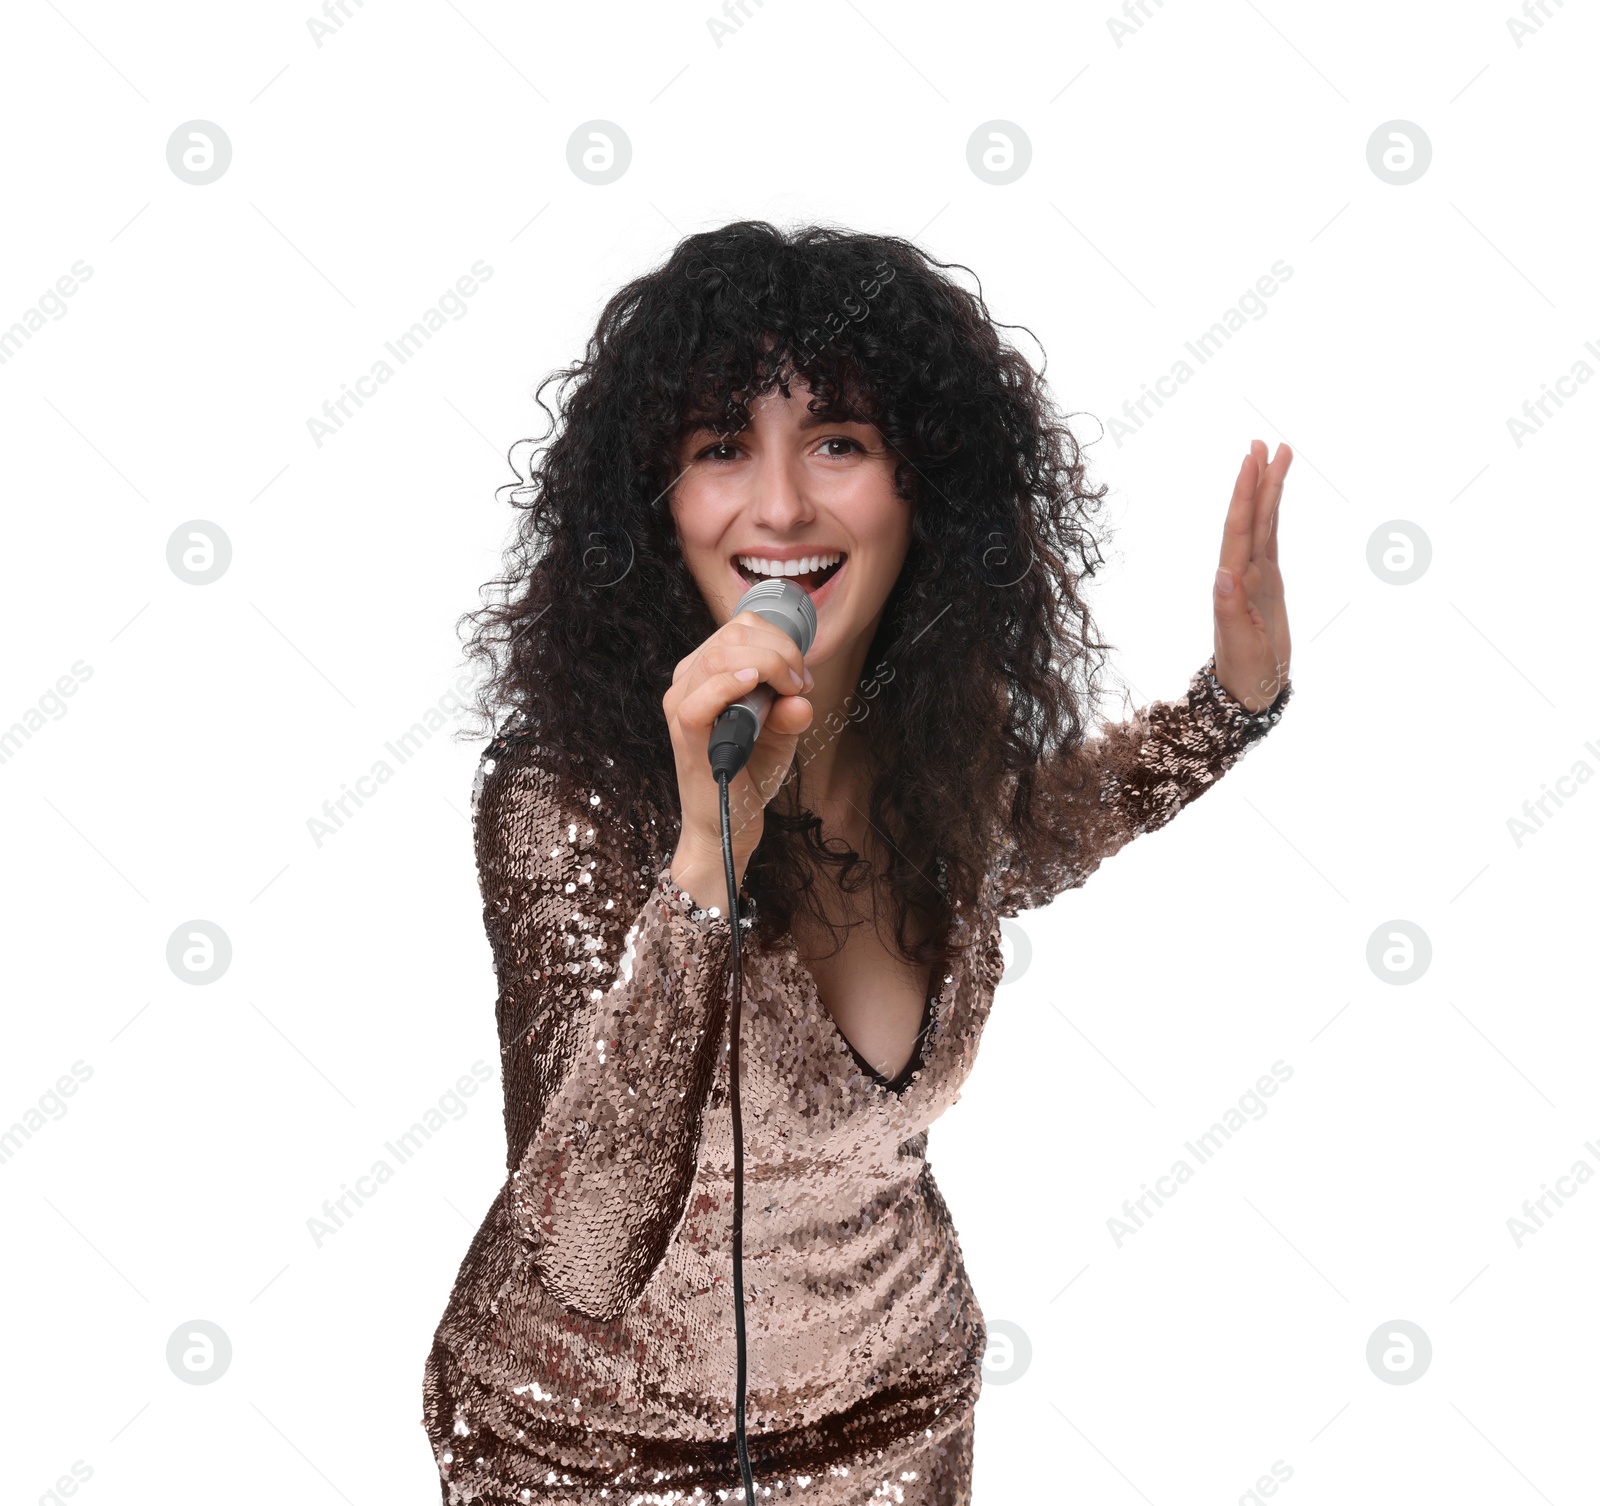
[[784, 604]]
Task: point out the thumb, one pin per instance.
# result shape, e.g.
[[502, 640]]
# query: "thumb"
[[1228, 602], [774, 752], [1235, 629], [790, 715]]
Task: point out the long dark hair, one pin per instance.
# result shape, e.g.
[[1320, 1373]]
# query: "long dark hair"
[[985, 659]]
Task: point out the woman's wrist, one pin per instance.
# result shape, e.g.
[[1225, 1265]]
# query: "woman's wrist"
[[703, 875], [1252, 723]]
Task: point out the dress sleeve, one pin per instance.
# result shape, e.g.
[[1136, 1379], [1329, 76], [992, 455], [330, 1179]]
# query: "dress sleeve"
[[1133, 778], [612, 1007]]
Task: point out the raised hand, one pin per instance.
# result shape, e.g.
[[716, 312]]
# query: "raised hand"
[[1252, 630]]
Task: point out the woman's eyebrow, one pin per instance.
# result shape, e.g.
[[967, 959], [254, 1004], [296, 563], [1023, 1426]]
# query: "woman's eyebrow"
[[696, 427], [821, 420], [810, 421]]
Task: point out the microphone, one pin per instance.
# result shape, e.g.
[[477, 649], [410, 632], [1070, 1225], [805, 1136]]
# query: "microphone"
[[733, 737], [734, 733]]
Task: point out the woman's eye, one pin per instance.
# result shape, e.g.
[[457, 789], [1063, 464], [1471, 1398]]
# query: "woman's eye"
[[712, 452]]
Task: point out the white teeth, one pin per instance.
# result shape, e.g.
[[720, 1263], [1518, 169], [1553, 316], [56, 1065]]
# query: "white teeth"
[[758, 566]]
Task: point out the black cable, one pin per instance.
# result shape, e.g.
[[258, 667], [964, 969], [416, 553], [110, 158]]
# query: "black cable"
[[722, 778]]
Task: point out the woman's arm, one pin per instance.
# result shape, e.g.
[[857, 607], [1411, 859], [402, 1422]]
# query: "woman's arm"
[[1138, 775], [612, 1009], [1133, 778]]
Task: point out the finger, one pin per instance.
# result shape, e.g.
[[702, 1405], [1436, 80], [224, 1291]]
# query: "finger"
[[790, 715], [754, 629], [757, 625], [708, 700], [1236, 620], [779, 664], [774, 752], [1236, 617], [1271, 490], [773, 755], [705, 702], [716, 664], [1286, 455], [1239, 523]]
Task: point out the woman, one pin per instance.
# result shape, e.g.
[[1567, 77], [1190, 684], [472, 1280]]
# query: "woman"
[[827, 405]]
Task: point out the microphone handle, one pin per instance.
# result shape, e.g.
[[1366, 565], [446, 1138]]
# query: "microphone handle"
[[734, 733]]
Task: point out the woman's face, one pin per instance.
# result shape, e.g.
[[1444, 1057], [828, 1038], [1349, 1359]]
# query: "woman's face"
[[789, 488]]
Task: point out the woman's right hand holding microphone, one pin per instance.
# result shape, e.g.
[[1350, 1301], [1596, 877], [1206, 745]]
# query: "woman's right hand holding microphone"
[[744, 652]]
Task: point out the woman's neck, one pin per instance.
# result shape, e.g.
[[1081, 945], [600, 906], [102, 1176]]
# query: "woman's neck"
[[832, 752]]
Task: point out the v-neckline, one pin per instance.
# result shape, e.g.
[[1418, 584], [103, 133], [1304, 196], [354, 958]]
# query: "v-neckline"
[[932, 1021]]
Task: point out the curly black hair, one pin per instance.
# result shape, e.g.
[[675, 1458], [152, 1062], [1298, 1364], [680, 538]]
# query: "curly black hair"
[[985, 658]]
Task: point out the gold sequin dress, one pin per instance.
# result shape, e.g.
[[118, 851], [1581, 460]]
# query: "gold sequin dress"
[[587, 1351]]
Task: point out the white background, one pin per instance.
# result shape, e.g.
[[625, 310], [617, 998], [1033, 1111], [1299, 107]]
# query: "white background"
[[1167, 174]]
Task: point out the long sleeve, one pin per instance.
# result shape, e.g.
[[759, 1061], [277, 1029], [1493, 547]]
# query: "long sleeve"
[[1133, 778], [612, 1007]]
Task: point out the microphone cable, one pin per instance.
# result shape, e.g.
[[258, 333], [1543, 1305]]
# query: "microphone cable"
[[783, 603], [722, 777]]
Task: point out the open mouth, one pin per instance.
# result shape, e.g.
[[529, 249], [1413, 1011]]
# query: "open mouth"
[[810, 581]]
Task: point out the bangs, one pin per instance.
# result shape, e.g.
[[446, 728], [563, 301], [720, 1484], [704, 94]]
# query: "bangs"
[[723, 380]]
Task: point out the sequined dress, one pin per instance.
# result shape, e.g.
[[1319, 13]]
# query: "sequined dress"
[[587, 1353]]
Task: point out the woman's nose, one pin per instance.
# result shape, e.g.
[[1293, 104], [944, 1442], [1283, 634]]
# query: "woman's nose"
[[780, 496]]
